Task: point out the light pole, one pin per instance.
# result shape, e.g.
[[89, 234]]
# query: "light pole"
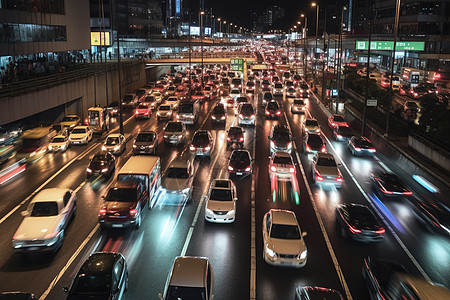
[[314, 4], [220, 26], [190, 59], [201, 39], [225, 23], [341, 27], [305, 45]]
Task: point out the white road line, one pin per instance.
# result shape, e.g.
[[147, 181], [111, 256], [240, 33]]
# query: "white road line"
[[69, 262], [394, 234], [337, 267], [253, 221], [386, 168], [86, 152]]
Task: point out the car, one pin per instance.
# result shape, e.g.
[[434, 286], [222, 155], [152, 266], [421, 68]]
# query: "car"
[[404, 89], [150, 101], [17, 296], [113, 108], [275, 79], [198, 95], [235, 135], [219, 114], [221, 200], [246, 114], [316, 293], [388, 185], [157, 95], [281, 165], [417, 92], [159, 88], [410, 105], [291, 93], [236, 83], [102, 163], [143, 110], [140, 94], [123, 205], [278, 89], [313, 143], [385, 83], [325, 170], [360, 145], [434, 215], [267, 96], [202, 143], [70, 121], [45, 221], [298, 106], [283, 243], [358, 222], [171, 90], [80, 135], [175, 132], [173, 101], [336, 120], [209, 92], [178, 179], [164, 112], [304, 87], [115, 143], [265, 85], [190, 278], [240, 163], [311, 126], [104, 275], [59, 143], [280, 139], [250, 87], [342, 133], [234, 93], [272, 110], [129, 100], [146, 142]]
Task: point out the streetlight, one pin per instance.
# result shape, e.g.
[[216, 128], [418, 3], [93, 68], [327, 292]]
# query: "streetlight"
[[225, 23], [201, 39], [220, 25], [314, 4], [304, 45]]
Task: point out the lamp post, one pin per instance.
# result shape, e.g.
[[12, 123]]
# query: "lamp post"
[[220, 26], [225, 23], [201, 39], [341, 27], [314, 4], [305, 45]]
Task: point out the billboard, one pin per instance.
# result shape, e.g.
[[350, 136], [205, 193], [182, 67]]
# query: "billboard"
[[95, 39], [389, 45]]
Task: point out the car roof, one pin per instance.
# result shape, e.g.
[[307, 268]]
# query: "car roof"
[[46, 195], [281, 216], [100, 263], [325, 155], [221, 184], [281, 154], [113, 135], [189, 271], [81, 127]]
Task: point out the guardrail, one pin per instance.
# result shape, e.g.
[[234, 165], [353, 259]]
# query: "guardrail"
[[183, 55]]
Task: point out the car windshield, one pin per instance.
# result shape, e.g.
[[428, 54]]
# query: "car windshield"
[[291, 90], [186, 108], [282, 160], [164, 107], [299, 102], [278, 85], [145, 137], [281, 231], [121, 195], [268, 96], [247, 109], [326, 162], [143, 106], [361, 216], [311, 123], [44, 209], [201, 137], [112, 141], [171, 88], [208, 88], [240, 156], [91, 284], [265, 81], [174, 172], [344, 130], [218, 109], [235, 130], [69, 119], [58, 140], [272, 105], [289, 83], [186, 293], [79, 130], [235, 91], [281, 136], [236, 81], [220, 195], [174, 127], [338, 119], [250, 83], [99, 158]]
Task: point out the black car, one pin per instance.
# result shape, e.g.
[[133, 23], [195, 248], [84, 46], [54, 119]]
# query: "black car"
[[388, 185], [434, 215], [378, 274], [17, 296], [342, 133], [113, 108], [219, 114], [246, 114], [235, 136], [265, 85], [241, 99], [273, 110], [103, 163], [240, 163], [146, 142], [361, 146], [267, 96], [102, 276], [313, 143], [358, 223], [316, 293], [202, 143], [280, 139]]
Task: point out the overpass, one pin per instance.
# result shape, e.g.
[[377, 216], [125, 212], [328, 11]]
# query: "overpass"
[[208, 58]]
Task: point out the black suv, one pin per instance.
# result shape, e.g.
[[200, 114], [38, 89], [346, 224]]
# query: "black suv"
[[280, 139], [146, 142], [235, 136], [219, 114], [103, 163]]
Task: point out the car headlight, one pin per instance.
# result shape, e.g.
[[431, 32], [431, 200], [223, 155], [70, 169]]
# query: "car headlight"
[[186, 190], [231, 212], [50, 148], [104, 148], [213, 117], [303, 254], [209, 211], [88, 170], [270, 252], [116, 148], [104, 170], [51, 238], [166, 136]]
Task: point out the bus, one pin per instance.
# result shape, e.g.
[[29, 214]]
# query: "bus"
[[411, 76], [145, 170], [35, 143], [98, 119]]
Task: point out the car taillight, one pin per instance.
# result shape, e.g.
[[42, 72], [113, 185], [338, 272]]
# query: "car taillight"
[[308, 149], [338, 136], [318, 177], [292, 170], [339, 179], [408, 193], [380, 231], [241, 139], [86, 121], [228, 139], [387, 192], [102, 212], [333, 124], [133, 212], [278, 113], [207, 148], [192, 148], [373, 150], [247, 169], [357, 149], [267, 113], [353, 229], [324, 149], [241, 116], [230, 168], [136, 112]]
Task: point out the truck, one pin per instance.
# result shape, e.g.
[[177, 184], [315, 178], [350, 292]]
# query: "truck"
[[98, 119]]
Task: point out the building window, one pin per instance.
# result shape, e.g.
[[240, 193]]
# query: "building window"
[[42, 6], [26, 33]]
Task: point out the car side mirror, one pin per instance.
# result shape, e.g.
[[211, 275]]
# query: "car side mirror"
[[25, 213], [304, 233], [160, 296], [65, 289]]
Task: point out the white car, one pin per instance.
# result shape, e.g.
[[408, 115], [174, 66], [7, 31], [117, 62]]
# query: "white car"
[[46, 218], [281, 165], [164, 112], [173, 101], [283, 241], [235, 93], [158, 96], [115, 143], [221, 202], [311, 126], [80, 135], [325, 170], [178, 179], [175, 132], [298, 106], [278, 89], [59, 143]]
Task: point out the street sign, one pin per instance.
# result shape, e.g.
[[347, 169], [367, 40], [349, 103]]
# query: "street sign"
[[372, 102], [237, 64], [389, 45]]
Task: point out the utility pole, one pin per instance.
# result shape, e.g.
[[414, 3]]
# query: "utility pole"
[[341, 25], [116, 7], [363, 125], [190, 76]]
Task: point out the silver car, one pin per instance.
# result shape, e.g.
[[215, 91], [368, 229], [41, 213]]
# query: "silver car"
[[175, 133]]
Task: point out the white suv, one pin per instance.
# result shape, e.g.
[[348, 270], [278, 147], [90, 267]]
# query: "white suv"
[[221, 202]]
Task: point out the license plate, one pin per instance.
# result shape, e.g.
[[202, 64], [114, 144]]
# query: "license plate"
[[238, 173], [117, 225], [33, 248]]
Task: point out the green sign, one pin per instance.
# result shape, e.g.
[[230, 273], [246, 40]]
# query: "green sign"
[[389, 45], [237, 64]]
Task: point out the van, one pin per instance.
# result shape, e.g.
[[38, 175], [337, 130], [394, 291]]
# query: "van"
[[188, 112], [146, 171]]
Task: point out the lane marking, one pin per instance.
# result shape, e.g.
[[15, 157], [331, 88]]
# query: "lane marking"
[[337, 267], [388, 225], [253, 217]]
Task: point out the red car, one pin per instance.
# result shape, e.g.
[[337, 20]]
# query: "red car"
[[336, 120]]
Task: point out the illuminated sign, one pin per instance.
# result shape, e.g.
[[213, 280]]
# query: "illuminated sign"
[[95, 39], [389, 45], [237, 64]]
